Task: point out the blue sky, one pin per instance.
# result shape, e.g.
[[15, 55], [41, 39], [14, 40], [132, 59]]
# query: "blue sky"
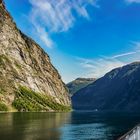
[[84, 38]]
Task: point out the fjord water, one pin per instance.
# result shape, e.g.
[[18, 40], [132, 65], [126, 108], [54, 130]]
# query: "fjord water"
[[66, 126]]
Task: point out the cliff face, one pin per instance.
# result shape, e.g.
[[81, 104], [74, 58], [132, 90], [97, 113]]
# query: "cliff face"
[[118, 90], [78, 84], [24, 64]]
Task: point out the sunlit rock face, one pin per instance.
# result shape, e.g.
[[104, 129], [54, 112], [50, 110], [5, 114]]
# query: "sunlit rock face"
[[24, 63], [118, 90]]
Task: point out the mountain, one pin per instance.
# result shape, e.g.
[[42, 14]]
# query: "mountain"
[[78, 84], [28, 80], [118, 90]]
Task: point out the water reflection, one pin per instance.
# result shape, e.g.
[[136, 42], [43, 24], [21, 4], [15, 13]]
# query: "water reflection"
[[65, 126], [98, 126], [32, 126]]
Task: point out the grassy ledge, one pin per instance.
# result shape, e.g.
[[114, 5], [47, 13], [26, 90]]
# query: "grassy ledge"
[[3, 107], [28, 100]]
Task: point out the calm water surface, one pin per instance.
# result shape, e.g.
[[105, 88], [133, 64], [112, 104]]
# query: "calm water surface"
[[65, 126]]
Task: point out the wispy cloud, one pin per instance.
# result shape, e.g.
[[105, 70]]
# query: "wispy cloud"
[[54, 16], [132, 1], [98, 67], [124, 54]]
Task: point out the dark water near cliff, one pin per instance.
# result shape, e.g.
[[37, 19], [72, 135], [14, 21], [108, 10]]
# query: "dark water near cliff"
[[65, 126]]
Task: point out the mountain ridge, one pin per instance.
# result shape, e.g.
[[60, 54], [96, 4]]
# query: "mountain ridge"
[[26, 68], [118, 90], [78, 84]]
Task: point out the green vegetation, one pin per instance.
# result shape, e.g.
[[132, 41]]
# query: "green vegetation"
[[3, 59], [78, 84], [18, 65], [3, 107], [28, 100], [2, 90]]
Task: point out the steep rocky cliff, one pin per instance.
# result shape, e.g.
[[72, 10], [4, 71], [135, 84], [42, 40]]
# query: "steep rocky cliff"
[[118, 90], [78, 84], [28, 80]]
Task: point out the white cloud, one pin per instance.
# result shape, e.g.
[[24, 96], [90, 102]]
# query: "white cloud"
[[98, 67], [44, 36], [54, 16], [124, 54], [132, 1]]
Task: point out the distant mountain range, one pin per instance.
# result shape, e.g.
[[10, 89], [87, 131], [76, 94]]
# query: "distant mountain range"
[[118, 90], [78, 84]]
